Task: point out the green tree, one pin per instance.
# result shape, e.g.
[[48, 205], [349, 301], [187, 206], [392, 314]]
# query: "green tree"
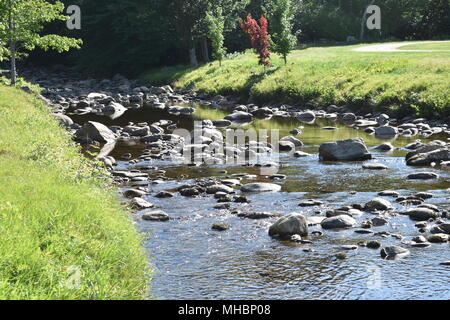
[[24, 20], [281, 14], [216, 25]]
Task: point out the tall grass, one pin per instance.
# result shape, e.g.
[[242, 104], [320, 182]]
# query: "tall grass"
[[63, 232]]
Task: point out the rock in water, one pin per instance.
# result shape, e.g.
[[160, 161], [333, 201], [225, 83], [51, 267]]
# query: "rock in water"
[[423, 176], [385, 147], [375, 166], [339, 222], [378, 204], [239, 116], [139, 203], [386, 131], [421, 214], [261, 187], [155, 216], [287, 226], [424, 155], [394, 252], [96, 131], [345, 150]]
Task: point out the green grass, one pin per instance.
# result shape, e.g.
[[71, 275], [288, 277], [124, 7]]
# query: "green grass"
[[398, 83], [428, 46], [59, 216]]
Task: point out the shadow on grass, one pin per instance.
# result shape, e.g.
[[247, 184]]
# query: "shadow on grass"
[[256, 78]]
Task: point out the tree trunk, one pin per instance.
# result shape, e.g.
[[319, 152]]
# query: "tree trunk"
[[193, 55], [205, 50], [12, 45], [13, 71]]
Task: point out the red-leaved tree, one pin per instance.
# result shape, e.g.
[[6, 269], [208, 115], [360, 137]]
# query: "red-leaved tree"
[[259, 37]]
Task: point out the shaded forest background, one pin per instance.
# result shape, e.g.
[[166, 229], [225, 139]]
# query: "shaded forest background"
[[131, 36]]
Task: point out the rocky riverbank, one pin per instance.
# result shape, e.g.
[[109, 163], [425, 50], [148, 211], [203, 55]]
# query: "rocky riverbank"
[[206, 145]]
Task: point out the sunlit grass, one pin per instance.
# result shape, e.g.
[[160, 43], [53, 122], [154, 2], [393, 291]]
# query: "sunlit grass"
[[428, 46], [59, 219], [402, 81]]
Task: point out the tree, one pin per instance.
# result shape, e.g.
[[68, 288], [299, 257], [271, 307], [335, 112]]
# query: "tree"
[[259, 37], [25, 19], [281, 13], [216, 26]]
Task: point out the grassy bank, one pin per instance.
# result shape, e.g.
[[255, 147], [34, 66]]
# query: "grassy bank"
[[63, 232], [396, 82]]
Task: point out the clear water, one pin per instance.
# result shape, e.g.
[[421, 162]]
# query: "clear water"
[[192, 261]]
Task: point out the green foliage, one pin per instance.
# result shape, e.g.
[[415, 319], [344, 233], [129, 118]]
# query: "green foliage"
[[28, 18], [281, 14], [216, 24], [58, 212]]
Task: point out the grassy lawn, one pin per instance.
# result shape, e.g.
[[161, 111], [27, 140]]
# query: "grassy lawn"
[[428, 46], [63, 232], [396, 82]]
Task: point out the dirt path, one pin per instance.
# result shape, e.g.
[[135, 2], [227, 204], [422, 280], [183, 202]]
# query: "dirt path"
[[394, 47]]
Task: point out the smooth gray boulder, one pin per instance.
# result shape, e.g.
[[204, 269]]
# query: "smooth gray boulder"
[[239, 116], [297, 143], [308, 116], [96, 131], [378, 204], [421, 214], [427, 158], [260, 187], [139, 203], [423, 176], [386, 131], [385, 147], [339, 222], [114, 110], [289, 225], [155, 216], [345, 150]]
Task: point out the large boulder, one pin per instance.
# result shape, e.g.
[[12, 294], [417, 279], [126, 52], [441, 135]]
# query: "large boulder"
[[287, 226], [378, 204], [386, 131], [438, 155], [345, 150], [239, 116], [114, 110], [421, 214], [297, 143], [95, 131], [307, 116], [339, 222]]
